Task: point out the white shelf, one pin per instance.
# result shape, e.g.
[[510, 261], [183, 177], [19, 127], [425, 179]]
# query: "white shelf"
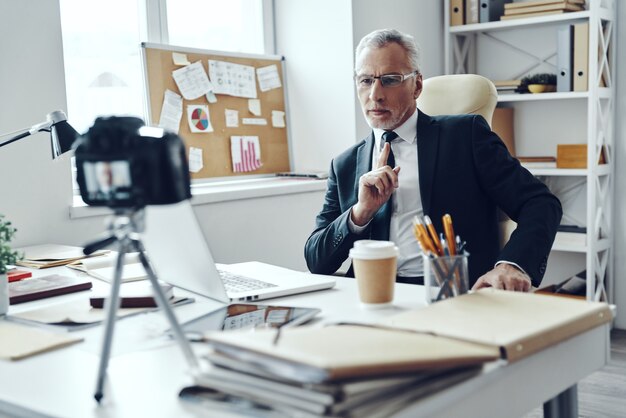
[[595, 107], [529, 97], [517, 23], [603, 244], [603, 170]]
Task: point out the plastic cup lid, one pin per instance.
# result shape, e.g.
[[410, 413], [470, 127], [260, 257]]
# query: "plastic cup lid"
[[373, 250]]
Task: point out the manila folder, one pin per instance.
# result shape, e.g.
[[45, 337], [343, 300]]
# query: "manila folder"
[[518, 323], [313, 354]]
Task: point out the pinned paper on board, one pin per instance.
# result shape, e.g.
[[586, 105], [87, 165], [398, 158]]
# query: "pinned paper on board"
[[211, 97], [180, 58], [171, 111], [192, 81], [232, 118], [254, 106], [254, 121], [278, 119], [232, 79], [198, 118], [245, 153], [195, 159], [268, 78]]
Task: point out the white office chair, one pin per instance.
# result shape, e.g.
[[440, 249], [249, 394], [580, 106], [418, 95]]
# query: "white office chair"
[[463, 94]]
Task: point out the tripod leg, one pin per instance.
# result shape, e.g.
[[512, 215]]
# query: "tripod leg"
[[112, 305], [167, 309]]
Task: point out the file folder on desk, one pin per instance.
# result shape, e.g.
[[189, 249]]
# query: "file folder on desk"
[[337, 352], [518, 324]]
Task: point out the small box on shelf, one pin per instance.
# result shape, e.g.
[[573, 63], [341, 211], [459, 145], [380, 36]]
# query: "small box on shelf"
[[574, 156]]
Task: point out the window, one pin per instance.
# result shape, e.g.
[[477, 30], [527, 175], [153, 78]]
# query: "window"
[[101, 46], [233, 25], [102, 59]]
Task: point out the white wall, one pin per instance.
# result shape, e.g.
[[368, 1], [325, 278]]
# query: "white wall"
[[316, 39], [422, 19]]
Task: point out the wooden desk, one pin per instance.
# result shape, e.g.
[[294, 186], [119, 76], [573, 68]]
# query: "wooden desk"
[[146, 371]]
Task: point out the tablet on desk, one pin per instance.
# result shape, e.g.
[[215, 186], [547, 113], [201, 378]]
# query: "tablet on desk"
[[240, 315]]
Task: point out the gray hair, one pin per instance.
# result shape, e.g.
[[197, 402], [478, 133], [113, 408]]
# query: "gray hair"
[[380, 38]]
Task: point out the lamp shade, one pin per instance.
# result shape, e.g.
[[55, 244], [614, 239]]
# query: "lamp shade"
[[62, 135]]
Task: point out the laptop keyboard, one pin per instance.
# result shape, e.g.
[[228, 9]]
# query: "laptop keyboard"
[[235, 283]]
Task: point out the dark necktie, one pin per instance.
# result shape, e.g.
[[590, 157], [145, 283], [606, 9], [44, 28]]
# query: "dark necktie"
[[389, 136]]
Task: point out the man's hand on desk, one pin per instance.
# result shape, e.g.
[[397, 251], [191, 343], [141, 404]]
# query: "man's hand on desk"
[[505, 276], [375, 188]]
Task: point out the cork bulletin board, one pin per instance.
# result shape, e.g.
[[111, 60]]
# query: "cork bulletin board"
[[216, 149]]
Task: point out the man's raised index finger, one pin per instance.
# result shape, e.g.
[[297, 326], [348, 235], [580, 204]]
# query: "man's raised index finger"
[[384, 156]]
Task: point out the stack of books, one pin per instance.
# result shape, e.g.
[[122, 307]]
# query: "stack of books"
[[507, 86], [540, 8], [339, 370], [538, 162]]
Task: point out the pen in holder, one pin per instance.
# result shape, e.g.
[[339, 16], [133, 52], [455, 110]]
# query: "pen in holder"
[[445, 277]]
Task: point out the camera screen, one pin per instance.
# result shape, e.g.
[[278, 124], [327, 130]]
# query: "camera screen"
[[107, 180]]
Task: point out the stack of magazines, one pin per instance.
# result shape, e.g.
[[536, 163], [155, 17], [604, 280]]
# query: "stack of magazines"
[[341, 370]]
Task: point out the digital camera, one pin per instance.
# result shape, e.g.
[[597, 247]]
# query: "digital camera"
[[121, 163]]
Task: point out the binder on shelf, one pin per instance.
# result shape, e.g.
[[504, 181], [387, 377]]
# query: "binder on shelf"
[[457, 12], [581, 57], [502, 124], [564, 59], [491, 10], [472, 11]]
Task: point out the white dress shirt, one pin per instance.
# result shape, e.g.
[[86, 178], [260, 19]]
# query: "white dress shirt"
[[406, 199]]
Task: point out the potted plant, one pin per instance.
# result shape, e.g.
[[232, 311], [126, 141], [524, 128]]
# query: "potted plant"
[[539, 83], [7, 256]]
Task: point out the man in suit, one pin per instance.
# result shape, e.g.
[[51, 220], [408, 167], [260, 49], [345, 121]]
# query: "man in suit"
[[413, 164]]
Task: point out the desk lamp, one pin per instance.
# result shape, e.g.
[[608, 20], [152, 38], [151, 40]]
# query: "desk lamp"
[[62, 135]]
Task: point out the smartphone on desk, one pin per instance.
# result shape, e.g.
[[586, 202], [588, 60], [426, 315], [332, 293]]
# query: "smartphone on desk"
[[243, 315]]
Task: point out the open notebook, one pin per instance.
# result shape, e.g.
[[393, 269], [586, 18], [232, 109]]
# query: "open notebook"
[[180, 256]]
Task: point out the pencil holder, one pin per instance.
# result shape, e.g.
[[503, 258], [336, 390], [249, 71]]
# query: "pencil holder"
[[445, 277]]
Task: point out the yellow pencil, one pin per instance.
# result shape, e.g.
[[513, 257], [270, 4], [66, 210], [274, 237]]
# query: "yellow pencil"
[[448, 231], [433, 234]]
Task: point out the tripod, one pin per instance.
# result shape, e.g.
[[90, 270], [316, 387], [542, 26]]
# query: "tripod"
[[125, 227]]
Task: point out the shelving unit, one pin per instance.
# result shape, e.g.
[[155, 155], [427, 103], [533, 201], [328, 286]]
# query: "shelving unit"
[[547, 119]]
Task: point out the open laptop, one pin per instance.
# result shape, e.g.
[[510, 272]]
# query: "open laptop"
[[180, 255]]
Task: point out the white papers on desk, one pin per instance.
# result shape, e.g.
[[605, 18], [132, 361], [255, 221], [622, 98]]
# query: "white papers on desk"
[[192, 81], [232, 79], [268, 78], [103, 267], [171, 112]]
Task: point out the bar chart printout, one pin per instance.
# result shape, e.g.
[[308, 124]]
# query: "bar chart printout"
[[245, 153]]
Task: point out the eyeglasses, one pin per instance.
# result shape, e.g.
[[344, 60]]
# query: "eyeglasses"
[[387, 80]]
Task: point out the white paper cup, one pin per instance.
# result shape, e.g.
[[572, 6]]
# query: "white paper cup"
[[375, 264]]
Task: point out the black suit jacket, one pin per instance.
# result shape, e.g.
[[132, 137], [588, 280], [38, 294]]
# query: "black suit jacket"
[[464, 170]]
